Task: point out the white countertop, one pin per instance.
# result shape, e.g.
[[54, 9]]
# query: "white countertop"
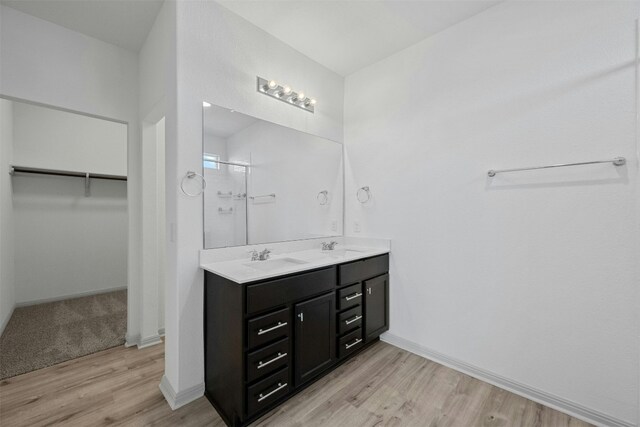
[[242, 270]]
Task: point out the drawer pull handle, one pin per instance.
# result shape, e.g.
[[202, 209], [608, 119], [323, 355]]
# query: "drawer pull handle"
[[280, 387], [348, 346], [279, 325], [356, 295], [278, 357], [350, 321]]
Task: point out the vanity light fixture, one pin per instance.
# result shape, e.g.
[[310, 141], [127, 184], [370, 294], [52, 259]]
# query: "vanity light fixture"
[[284, 93]]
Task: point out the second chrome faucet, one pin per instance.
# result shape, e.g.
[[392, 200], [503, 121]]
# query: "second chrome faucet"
[[329, 246], [260, 256]]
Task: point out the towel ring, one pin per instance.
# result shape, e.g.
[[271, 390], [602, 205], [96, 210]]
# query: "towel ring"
[[191, 175], [323, 197], [363, 194]]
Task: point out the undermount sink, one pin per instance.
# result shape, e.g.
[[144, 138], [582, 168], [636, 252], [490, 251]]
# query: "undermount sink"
[[274, 264], [342, 252]]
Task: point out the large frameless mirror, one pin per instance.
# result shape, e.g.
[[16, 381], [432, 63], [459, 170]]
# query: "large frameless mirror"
[[267, 183]]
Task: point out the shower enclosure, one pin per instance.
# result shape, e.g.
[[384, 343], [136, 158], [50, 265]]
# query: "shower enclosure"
[[226, 200]]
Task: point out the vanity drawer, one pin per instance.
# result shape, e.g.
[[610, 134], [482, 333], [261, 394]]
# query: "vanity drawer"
[[363, 269], [350, 296], [263, 329], [350, 342], [267, 360], [281, 291], [267, 391], [350, 319]]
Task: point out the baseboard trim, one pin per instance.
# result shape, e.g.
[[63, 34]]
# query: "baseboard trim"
[[176, 400], [71, 296], [563, 405], [5, 321], [149, 341], [131, 340]]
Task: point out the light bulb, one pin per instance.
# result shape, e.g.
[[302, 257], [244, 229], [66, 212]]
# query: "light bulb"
[[272, 84], [205, 104], [286, 90], [313, 101], [301, 96]]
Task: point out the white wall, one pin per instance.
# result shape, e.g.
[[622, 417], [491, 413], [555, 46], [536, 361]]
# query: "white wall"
[[153, 233], [219, 56], [530, 276], [157, 66], [161, 222], [54, 139], [66, 244], [7, 266], [45, 63]]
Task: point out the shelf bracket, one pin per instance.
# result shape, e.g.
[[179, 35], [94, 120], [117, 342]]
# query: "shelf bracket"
[[87, 185]]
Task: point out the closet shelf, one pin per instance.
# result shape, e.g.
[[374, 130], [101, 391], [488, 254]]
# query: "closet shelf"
[[24, 169], [86, 175]]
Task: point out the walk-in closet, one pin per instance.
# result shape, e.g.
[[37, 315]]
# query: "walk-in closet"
[[64, 247]]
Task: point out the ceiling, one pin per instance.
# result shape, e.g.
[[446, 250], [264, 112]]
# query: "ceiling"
[[223, 123], [346, 36], [342, 35], [124, 23]]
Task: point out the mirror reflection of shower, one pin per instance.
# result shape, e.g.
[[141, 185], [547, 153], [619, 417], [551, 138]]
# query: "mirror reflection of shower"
[[227, 196], [266, 182]]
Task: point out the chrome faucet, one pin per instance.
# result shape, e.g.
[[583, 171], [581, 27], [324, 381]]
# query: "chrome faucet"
[[264, 255], [260, 256], [329, 246]]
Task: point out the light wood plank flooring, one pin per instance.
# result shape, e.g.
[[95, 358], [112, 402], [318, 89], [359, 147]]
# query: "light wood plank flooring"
[[383, 386]]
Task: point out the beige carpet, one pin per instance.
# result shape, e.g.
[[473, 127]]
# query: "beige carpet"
[[45, 334]]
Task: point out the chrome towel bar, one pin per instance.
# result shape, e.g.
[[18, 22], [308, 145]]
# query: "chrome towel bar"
[[617, 161], [264, 195]]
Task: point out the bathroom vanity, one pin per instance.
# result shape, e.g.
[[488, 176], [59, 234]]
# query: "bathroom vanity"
[[277, 318], [273, 327]]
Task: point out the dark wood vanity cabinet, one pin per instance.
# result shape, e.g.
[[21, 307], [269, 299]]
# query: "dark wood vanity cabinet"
[[266, 340], [363, 303]]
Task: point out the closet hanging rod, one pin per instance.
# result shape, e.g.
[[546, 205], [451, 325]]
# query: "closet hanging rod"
[[617, 161], [24, 169]]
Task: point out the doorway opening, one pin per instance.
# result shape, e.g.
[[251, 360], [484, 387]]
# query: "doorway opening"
[[64, 235]]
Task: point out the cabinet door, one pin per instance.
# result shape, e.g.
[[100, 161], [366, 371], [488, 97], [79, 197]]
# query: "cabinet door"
[[314, 336], [376, 304]]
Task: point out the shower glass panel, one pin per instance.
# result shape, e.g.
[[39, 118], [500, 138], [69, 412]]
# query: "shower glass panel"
[[226, 202]]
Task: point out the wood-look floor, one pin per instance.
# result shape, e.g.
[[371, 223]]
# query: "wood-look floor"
[[383, 386]]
